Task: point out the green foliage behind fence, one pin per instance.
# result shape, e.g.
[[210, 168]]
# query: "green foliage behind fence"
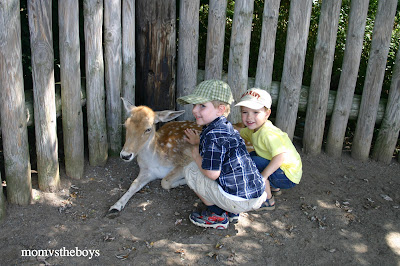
[[281, 40]]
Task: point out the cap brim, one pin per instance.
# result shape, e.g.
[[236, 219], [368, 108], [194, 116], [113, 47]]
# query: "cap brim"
[[192, 99], [250, 104]]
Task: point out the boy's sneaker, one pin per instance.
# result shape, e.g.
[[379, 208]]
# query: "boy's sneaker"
[[209, 219], [233, 217]]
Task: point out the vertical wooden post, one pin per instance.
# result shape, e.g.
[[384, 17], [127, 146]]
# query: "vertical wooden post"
[[239, 52], [390, 127], [373, 79], [215, 39], [293, 66], [68, 15], [41, 35], [128, 53], [113, 73], [266, 52], [2, 201], [187, 52], [321, 77], [348, 77], [12, 106], [95, 91], [156, 50]]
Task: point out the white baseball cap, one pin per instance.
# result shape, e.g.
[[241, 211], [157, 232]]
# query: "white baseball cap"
[[255, 98]]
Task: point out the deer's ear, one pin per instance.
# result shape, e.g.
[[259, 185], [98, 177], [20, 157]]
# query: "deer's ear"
[[165, 116], [128, 106]]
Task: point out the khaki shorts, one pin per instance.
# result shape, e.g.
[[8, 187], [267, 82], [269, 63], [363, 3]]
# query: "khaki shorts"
[[208, 189]]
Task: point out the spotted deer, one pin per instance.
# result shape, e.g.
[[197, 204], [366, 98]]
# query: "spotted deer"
[[161, 154]]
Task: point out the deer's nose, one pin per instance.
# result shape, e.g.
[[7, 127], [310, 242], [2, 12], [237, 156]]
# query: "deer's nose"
[[126, 156]]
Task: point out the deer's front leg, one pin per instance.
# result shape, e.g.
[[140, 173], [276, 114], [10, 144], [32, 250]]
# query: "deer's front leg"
[[142, 179]]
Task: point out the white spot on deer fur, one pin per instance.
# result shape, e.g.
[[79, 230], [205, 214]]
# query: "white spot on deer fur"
[[169, 145]]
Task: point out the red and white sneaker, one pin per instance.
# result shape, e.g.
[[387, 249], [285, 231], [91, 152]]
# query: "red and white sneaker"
[[209, 219]]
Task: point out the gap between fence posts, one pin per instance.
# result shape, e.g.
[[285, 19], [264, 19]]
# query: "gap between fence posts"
[[2, 201]]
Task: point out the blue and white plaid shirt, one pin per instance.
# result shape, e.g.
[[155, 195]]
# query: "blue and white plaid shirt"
[[222, 149]]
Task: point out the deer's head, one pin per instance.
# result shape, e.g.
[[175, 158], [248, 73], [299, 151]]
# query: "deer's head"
[[140, 128]]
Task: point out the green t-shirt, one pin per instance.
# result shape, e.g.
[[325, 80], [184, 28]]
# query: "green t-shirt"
[[269, 141]]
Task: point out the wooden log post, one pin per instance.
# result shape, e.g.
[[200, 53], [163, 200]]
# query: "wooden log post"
[[187, 53], [215, 39], [239, 52], [348, 77], [128, 53], [321, 77], [265, 63], [2, 201], [12, 106], [390, 127], [293, 65], [113, 73], [68, 15], [373, 79], [156, 51], [41, 36], [95, 91]]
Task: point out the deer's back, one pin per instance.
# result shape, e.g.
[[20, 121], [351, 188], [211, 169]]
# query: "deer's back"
[[171, 140]]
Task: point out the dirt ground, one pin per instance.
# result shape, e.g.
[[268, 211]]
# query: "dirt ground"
[[344, 212]]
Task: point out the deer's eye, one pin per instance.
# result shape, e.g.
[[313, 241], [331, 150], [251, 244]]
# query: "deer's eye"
[[147, 130]]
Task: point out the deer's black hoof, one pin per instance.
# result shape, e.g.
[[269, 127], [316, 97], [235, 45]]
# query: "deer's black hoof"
[[111, 214]]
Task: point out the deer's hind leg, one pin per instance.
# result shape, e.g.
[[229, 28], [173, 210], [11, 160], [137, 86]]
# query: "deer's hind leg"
[[174, 178]]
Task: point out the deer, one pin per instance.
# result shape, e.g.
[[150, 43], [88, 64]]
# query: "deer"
[[161, 154]]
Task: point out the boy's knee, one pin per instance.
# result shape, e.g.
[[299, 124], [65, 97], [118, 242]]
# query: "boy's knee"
[[191, 173]]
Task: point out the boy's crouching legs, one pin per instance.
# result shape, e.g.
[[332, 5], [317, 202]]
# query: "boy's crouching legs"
[[199, 184], [192, 172]]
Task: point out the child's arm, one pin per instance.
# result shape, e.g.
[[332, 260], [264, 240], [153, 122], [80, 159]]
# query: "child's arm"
[[198, 160], [274, 164]]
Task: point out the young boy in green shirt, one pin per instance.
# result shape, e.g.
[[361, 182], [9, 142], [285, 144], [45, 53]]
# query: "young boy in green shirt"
[[275, 155]]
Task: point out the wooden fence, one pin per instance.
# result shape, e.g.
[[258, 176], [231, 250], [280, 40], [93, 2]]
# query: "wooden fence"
[[109, 32]]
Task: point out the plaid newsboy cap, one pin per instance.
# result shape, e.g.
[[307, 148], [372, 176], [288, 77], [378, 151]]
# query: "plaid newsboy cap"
[[207, 91]]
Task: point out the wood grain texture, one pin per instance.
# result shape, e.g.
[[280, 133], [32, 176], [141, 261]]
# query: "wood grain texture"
[[68, 15], [188, 50], [215, 39], [156, 53], [41, 36], [266, 52], [239, 52], [321, 77], [390, 127], [348, 77], [12, 107], [374, 79], [293, 65], [95, 89], [113, 73], [128, 52]]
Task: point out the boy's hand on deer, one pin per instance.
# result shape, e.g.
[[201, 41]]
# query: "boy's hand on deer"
[[192, 136]]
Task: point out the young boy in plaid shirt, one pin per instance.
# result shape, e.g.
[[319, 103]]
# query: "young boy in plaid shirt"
[[223, 175]]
